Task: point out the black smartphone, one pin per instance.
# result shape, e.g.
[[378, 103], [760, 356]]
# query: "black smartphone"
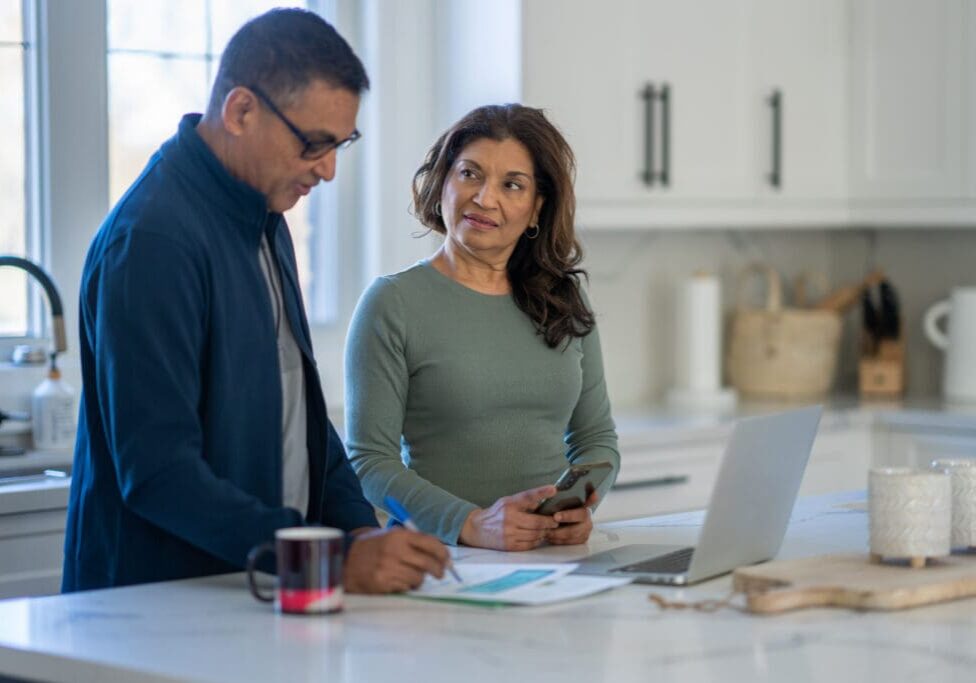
[[574, 486]]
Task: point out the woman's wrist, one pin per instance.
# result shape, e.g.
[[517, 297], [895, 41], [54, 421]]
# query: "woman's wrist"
[[469, 530]]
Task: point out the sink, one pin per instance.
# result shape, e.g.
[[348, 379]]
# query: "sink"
[[30, 474]]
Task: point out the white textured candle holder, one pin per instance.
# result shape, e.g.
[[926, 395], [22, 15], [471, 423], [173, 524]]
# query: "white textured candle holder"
[[910, 514], [962, 474]]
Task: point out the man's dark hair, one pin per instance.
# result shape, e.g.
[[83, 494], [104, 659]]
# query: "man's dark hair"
[[282, 52]]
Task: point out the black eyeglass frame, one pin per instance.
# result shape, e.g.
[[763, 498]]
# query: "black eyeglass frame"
[[311, 149]]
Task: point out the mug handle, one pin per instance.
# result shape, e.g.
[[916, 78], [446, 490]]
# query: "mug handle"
[[252, 561], [932, 331]]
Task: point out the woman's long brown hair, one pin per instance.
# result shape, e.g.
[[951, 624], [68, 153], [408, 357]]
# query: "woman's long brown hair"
[[543, 272]]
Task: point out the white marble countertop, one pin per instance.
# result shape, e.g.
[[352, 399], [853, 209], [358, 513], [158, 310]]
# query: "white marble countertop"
[[19, 493], [661, 425], [212, 630]]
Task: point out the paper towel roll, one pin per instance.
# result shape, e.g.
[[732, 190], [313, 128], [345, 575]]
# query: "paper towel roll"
[[698, 334], [698, 348]]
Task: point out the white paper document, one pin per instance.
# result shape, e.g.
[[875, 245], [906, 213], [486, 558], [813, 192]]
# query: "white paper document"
[[515, 584]]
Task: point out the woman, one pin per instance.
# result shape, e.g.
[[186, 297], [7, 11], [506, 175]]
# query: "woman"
[[482, 364]]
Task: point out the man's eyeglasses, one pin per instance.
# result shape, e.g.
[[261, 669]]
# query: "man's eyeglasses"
[[311, 149]]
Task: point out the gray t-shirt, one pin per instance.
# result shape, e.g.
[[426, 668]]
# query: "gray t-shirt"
[[453, 400], [294, 452]]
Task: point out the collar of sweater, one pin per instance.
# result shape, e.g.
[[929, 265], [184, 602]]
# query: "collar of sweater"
[[247, 207]]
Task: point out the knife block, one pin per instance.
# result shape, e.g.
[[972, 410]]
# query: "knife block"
[[881, 371]]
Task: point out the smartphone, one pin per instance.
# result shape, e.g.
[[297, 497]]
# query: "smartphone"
[[574, 486]]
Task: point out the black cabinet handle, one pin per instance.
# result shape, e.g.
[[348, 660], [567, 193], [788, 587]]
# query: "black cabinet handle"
[[665, 96], [670, 480], [648, 94], [775, 176]]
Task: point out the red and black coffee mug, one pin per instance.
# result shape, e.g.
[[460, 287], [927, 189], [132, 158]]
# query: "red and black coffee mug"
[[309, 561]]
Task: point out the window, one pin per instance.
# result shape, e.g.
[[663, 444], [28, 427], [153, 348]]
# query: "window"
[[155, 76], [16, 234]]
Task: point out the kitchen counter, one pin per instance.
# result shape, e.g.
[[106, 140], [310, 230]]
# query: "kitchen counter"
[[35, 461], [669, 459], [669, 463], [24, 487], [212, 630], [660, 424]]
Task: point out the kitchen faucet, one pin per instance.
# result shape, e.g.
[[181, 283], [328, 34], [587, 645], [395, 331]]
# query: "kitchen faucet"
[[57, 326], [54, 299]]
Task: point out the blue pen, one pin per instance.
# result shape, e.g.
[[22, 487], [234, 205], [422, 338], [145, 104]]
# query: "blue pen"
[[393, 505]]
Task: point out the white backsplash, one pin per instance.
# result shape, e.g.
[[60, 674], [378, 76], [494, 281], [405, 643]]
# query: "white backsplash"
[[17, 382], [633, 278]]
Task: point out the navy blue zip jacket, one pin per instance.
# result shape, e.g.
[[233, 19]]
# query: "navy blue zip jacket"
[[177, 466]]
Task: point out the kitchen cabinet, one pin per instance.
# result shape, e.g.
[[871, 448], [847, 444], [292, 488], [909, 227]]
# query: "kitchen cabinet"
[[588, 76], [907, 93], [32, 527], [908, 443], [668, 107], [840, 458], [655, 479], [696, 55], [660, 475], [800, 50]]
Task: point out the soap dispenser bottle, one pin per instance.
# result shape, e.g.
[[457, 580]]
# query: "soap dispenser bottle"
[[53, 412]]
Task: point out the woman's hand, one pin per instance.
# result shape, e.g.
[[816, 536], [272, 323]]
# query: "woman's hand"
[[575, 525], [509, 523]]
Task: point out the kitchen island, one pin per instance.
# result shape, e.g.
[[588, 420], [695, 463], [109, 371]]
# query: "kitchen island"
[[212, 630]]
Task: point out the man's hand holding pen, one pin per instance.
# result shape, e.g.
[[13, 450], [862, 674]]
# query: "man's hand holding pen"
[[392, 561]]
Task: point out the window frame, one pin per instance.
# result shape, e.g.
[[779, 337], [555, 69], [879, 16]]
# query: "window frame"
[[328, 291], [37, 325], [71, 197]]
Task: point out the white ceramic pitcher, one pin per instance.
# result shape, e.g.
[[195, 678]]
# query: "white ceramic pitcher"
[[959, 373]]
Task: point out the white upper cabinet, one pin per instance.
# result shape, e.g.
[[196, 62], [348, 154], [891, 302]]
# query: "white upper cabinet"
[[799, 56], [668, 105], [969, 131], [584, 67], [907, 94], [780, 113], [695, 58]]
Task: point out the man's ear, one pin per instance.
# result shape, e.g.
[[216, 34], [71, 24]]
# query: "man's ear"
[[239, 110]]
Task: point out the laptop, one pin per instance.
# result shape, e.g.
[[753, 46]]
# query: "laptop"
[[748, 512]]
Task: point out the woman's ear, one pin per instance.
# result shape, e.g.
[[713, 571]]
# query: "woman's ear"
[[539, 201]]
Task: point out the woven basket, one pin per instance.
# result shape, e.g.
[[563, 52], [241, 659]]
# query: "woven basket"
[[777, 352]]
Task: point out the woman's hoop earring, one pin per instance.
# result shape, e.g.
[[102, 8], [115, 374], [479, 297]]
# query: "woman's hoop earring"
[[533, 235], [437, 208]]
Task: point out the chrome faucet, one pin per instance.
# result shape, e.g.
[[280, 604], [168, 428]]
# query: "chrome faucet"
[[53, 298]]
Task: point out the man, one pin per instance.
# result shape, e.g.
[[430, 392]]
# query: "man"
[[203, 427]]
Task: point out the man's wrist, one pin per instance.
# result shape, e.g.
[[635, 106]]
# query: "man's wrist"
[[350, 536]]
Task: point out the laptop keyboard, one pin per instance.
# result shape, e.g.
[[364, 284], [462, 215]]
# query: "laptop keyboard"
[[672, 563]]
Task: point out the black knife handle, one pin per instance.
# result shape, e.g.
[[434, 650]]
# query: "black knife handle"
[[890, 323], [871, 320]]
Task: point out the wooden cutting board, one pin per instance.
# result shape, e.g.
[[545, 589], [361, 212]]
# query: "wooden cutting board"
[[852, 581]]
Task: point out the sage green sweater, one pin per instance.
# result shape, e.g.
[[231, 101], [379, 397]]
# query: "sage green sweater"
[[453, 400]]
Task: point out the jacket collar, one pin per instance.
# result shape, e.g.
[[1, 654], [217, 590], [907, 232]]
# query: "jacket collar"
[[193, 158]]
